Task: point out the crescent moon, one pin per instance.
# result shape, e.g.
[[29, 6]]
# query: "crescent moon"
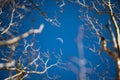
[[60, 40]]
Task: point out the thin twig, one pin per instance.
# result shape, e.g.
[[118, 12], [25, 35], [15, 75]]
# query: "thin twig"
[[11, 20]]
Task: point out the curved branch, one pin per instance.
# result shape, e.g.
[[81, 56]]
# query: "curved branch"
[[115, 26], [11, 20], [16, 39]]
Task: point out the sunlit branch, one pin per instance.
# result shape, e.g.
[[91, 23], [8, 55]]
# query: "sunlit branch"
[[9, 68], [115, 26], [14, 76], [82, 4], [24, 77], [104, 8], [104, 48], [16, 39], [93, 49], [27, 72], [112, 34], [38, 57], [7, 65], [42, 72], [98, 11], [11, 20], [26, 45], [95, 29], [33, 62], [63, 4]]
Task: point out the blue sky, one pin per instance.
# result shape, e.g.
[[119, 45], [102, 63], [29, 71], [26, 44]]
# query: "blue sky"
[[68, 31]]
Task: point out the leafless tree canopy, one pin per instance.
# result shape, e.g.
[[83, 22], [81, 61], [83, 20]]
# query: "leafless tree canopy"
[[101, 30], [18, 55]]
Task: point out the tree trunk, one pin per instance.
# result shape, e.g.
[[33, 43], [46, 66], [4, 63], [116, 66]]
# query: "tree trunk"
[[118, 69]]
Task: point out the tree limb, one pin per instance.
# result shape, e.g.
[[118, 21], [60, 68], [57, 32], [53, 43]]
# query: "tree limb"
[[16, 39], [115, 26]]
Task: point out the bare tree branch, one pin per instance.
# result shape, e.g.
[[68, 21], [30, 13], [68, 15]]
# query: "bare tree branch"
[[112, 34], [115, 26], [11, 21], [16, 39], [7, 65]]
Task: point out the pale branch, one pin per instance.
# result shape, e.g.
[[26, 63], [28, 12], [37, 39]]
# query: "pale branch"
[[42, 72], [98, 11], [24, 77], [16, 39], [96, 30], [11, 21], [95, 7], [53, 21], [23, 72], [38, 57], [81, 61], [14, 76], [112, 34], [8, 68], [91, 7], [115, 26], [45, 66], [6, 65], [27, 45], [93, 49], [113, 55], [63, 4], [82, 4]]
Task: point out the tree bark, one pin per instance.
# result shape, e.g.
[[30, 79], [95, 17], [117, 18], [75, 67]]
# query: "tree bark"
[[118, 69]]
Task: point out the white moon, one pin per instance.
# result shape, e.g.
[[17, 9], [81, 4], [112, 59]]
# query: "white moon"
[[60, 40]]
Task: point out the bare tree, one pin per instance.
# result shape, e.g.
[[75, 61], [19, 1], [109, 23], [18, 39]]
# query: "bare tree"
[[101, 20], [22, 58]]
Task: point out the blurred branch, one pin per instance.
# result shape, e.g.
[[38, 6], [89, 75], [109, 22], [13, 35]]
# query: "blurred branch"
[[53, 21], [2, 2], [82, 4], [16, 39], [7, 65], [39, 9]]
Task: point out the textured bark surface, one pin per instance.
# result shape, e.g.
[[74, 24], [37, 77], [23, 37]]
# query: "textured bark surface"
[[118, 69]]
